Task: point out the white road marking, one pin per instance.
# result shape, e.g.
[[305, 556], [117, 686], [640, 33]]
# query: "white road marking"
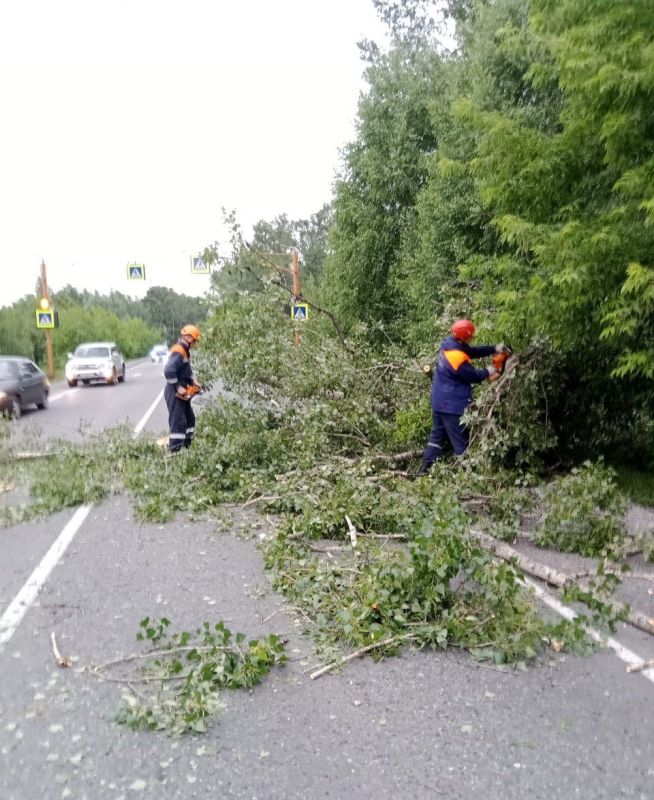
[[623, 653], [141, 424], [24, 599], [19, 606], [137, 375]]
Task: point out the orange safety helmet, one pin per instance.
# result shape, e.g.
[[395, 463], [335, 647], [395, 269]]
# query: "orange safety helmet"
[[191, 330], [463, 329]]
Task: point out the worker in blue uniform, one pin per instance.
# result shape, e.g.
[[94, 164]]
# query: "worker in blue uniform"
[[451, 394], [180, 387]]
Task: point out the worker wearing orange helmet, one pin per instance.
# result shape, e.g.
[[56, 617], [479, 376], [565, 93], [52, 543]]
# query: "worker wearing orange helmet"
[[180, 387], [451, 394]]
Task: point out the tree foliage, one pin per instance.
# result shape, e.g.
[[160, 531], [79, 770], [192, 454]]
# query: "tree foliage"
[[135, 325], [503, 182], [168, 311], [252, 265], [382, 174], [132, 335], [512, 181], [582, 512], [306, 432]]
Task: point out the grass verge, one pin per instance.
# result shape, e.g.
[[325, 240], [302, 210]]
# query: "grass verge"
[[637, 485]]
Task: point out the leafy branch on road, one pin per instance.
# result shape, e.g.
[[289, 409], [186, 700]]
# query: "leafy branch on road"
[[188, 670], [310, 434]]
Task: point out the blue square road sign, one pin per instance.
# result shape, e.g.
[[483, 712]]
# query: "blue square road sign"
[[136, 272], [45, 319], [199, 266], [300, 311]]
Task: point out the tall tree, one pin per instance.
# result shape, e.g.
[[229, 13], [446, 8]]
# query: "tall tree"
[[577, 200], [384, 168], [168, 311], [254, 264], [521, 193]]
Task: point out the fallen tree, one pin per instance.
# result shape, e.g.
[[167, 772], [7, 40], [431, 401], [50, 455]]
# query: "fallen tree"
[[314, 433]]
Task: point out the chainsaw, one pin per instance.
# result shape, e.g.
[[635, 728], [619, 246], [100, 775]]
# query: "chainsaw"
[[190, 392], [499, 362]]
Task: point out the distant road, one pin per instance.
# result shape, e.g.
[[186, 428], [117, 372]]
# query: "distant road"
[[98, 406]]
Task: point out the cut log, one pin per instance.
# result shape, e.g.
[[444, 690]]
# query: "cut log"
[[507, 553]]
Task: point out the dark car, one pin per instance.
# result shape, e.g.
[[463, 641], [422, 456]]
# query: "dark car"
[[21, 384]]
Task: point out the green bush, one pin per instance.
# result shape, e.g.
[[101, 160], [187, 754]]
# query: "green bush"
[[584, 512]]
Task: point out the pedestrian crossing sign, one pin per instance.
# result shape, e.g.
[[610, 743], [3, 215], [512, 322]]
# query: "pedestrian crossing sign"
[[300, 311], [45, 319], [199, 266], [136, 272]]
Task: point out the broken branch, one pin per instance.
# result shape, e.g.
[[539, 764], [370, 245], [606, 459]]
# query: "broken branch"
[[357, 653], [61, 660], [352, 531]]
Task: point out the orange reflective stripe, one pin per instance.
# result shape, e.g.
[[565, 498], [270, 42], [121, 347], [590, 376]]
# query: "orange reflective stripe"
[[456, 357], [177, 348]]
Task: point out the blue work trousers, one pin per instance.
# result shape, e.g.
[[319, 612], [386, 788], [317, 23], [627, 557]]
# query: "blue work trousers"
[[181, 420], [443, 425]]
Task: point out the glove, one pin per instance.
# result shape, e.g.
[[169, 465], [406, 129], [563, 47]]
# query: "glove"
[[503, 348], [493, 373]]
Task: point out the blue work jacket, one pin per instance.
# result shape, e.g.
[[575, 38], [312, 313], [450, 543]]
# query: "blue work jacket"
[[451, 390], [178, 370]]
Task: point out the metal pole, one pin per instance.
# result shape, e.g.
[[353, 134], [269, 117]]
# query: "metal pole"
[[296, 276], [48, 332]]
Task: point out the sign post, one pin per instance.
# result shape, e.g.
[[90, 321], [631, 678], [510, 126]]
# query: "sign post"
[[45, 318], [299, 310]]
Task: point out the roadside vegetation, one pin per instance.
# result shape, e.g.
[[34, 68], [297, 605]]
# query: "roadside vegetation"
[[638, 485], [510, 182], [135, 325], [324, 435]]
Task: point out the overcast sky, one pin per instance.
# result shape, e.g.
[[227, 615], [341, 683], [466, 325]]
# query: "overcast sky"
[[128, 124]]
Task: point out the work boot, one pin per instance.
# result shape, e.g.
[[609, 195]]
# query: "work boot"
[[424, 469]]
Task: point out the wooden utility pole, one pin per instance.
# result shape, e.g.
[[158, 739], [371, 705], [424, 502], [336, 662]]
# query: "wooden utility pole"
[[296, 288], [48, 332], [296, 276]]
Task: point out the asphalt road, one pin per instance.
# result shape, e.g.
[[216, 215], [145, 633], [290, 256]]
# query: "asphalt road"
[[426, 725], [72, 411]]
